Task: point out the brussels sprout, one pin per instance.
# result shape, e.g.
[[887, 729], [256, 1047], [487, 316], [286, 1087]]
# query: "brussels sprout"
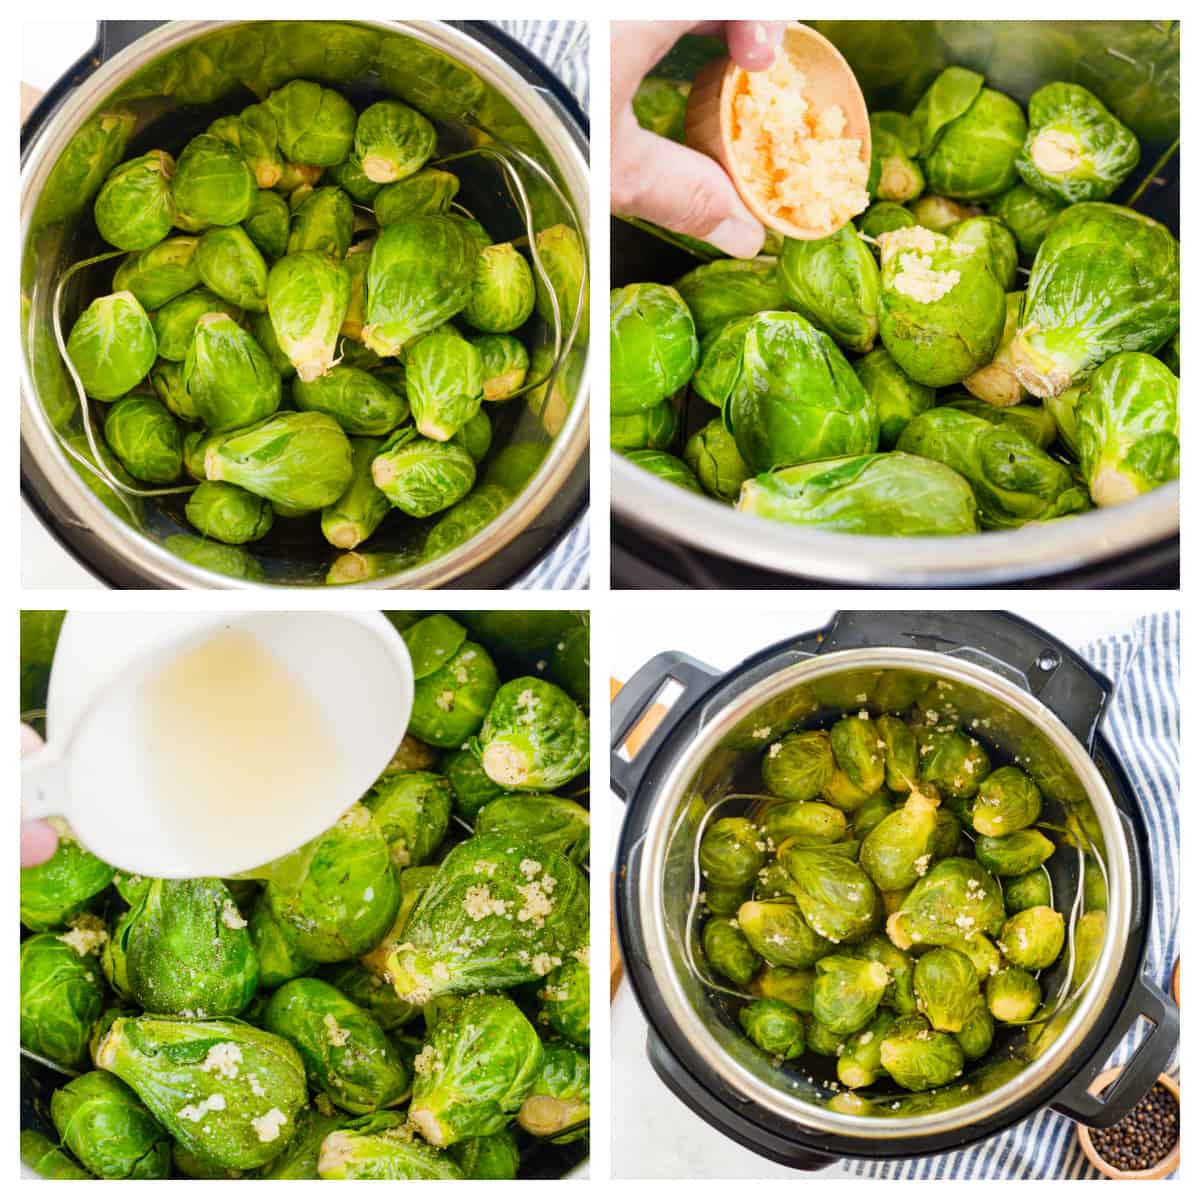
[[427, 193], [729, 288], [939, 213], [419, 476], [946, 987], [224, 1090], [160, 273], [445, 383], [307, 297], [667, 467], [1013, 995], [361, 404], [712, 455], [1008, 800], [947, 837], [534, 738], [279, 958], [652, 346], [109, 1130], [1027, 891], [56, 891], [870, 813], [350, 177], [941, 309], [1033, 938], [360, 509], [897, 399], [505, 365], [228, 377], [323, 222], [803, 822], [897, 852], [558, 1105], [112, 346], [465, 519], [1090, 930], [957, 898], [788, 984], [1127, 428], [496, 1156], [231, 266], [660, 105], [899, 995], [859, 1063], [314, 124], [134, 209], [780, 934], [175, 323], [93, 150], [1133, 261], [565, 997], [212, 185], [561, 825], [847, 992], [879, 494], [420, 276], [1076, 149], [299, 460], [975, 1037], [991, 238], [858, 751], [502, 293], [901, 761], [392, 141], [883, 217], [836, 897], [46, 1160], [822, 1040], [412, 810], [650, 429], [731, 852], [955, 763], [564, 260], [785, 391], [1028, 215], [1015, 853], [454, 692], [774, 1027], [212, 556], [253, 132], [919, 1058], [473, 789], [895, 174], [1095, 886], [146, 438], [478, 1066], [834, 283], [62, 996], [379, 1146], [728, 950]]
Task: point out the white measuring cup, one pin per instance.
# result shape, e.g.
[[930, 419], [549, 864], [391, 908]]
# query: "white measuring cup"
[[98, 770]]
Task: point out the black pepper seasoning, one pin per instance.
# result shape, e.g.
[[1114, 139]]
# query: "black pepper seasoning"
[[1143, 1138]]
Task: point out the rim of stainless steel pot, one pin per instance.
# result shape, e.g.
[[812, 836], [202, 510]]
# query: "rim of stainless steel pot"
[[143, 552], [988, 558], [661, 827]]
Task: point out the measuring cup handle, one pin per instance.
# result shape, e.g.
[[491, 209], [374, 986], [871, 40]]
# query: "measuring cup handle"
[[43, 785]]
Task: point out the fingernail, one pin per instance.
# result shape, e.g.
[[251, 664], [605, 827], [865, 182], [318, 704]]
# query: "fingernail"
[[738, 238]]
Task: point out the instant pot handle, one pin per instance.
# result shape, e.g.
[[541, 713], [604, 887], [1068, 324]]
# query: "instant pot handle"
[[1138, 1075], [724, 1118], [1063, 681], [636, 696]]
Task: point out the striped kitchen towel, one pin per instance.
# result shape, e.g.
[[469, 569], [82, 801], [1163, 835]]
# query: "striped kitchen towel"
[[1143, 729]]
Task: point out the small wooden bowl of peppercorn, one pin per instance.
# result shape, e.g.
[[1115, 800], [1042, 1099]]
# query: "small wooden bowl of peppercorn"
[[1145, 1145]]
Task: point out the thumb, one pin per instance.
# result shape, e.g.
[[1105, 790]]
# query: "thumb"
[[680, 189]]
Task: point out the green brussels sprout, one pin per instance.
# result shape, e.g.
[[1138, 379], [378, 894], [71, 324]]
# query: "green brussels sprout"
[[941, 308], [895, 174], [894, 494], [954, 900], [226, 1091], [897, 399], [502, 293], [899, 994], [465, 519], [1008, 800], [445, 383], [667, 467], [1095, 248], [990, 237], [412, 810], [946, 987], [427, 193], [420, 476], [322, 222], [379, 1146], [731, 852], [837, 898], [109, 1130], [858, 751], [785, 391], [564, 260], [822, 1040], [420, 275], [174, 324], [729, 288], [46, 1160], [505, 365], [870, 813], [112, 346], [947, 836], [534, 738], [728, 949], [977, 1033], [558, 1106], [56, 891], [1127, 428], [212, 185], [955, 763], [62, 995], [650, 429], [566, 1000], [514, 927], [792, 986], [307, 298], [360, 403], [919, 1058], [392, 141], [938, 213], [848, 991], [1028, 215], [479, 1064], [161, 273], [144, 435], [1027, 891], [901, 759], [253, 132], [652, 346], [1015, 853], [561, 825], [1090, 930], [883, 217], [360, 509], [454, 691], [859, 1063], [350, 177], [660, 105], [774, 1027], [279, 958], [300, 460], [313, 124], [1013, 996], [473, 788], [231, 381], [970, 136], [712, 455], [1075, 149], [803, 822], [898, 851], [167, 381], [496, 1156], [1095, 886], [1032, 421], [345, 1053], [1033, 938], [213, 556], [134, 209], [834, 283], [93, 150]]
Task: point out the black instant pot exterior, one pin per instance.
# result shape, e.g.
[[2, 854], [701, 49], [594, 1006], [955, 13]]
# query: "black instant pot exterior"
[[1058, 677]]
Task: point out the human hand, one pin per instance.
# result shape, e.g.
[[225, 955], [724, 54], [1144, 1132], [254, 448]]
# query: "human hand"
[[38, 839], [658, 179]]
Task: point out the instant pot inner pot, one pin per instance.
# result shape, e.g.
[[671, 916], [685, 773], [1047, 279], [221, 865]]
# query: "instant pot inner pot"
[[732, 766], [176, 96]]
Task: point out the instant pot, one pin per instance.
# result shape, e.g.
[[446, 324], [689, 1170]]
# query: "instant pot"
[[665, 536], [1019, 691], [479, 87]]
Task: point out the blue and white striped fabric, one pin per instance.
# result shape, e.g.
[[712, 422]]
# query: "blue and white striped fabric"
[[1143, 728], [563, 47]]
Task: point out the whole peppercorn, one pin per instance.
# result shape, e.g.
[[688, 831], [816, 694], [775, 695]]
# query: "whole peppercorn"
[[1143, 1138]]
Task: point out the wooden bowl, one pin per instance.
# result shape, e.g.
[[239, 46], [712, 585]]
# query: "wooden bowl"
[[1161, 1169], [709, 122]]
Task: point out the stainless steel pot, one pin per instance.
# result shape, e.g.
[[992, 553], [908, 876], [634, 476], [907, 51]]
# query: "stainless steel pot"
[[1134, 67], [1021, 693], [475, 83]]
